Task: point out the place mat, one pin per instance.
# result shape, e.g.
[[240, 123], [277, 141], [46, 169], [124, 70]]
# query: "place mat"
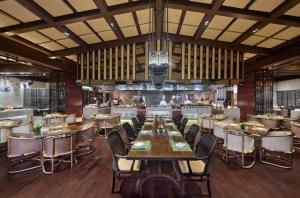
[[58, 131], [146, 132], [174, 133], [175, 146], [136, 146], [170, 124]]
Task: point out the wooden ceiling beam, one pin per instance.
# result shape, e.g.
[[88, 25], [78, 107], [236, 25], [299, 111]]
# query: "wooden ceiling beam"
[[45, 16], [136, 21], [280, 10], [216, 5], [173, 37], [102, 6]]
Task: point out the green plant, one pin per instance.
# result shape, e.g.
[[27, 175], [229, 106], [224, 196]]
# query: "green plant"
[[37, 128], [242, 125]]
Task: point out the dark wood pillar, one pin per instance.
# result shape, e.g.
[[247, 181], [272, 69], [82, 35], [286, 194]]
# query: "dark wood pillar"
[[246, 96], [74, 95]]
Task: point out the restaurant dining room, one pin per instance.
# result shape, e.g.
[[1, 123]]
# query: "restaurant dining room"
[[149, 98]]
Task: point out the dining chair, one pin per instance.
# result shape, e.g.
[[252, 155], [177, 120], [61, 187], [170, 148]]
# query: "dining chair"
[[71, 119], [272, 124], [273, 145], [141, 118], [191, 134], [286, 124], [57, 149], [284, 113], [39, 120], [136, 124], [84, 139], [25, 127], [20, 150], [296, 131], [182, 125], [178, 120], [129, 132], [241, 145], [120, 165], [198, 170]]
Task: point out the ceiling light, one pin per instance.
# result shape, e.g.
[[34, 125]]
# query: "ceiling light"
[[255, 30], [52, 57], [29, 63], [112, 25], [206, 23], [66, 33]]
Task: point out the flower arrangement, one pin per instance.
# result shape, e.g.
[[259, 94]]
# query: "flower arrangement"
[[242, 125], [37, 128]]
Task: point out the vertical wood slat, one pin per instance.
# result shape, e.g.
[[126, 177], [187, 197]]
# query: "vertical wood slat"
[[110, 63], [158, 45], [225, 64], [133, 61], [207, 63], [231, 64], [146, 60], [170, 58], [81, 66], [116, 63], [219, 63], [182, 60], [128, 61], [93, 65], [195, 61], [99, 64], [213, 59], [122, 62], [201, 62], [87, 65], [104, 65], [237, 65], [189, 61]]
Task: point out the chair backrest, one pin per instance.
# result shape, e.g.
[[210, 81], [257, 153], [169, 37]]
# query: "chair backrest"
[[178, 119], [280, 141], [271, 123], [192, 134], [286, 124], [183, 124], [39, 120], [136, 124], [234, 141], [296, 129], [23, 128], [284, 113], [116, 143], [62, 145], [219, 131], [129, 131], [140, 118], [85, 134], [19, 146], [205, 148], [70, 119]]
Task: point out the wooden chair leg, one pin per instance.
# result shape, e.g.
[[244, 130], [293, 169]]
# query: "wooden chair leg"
[[52, 165], [208, 186], [113, 183]]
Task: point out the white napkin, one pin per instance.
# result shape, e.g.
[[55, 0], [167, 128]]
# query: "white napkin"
[[139, 145], [180, 145]]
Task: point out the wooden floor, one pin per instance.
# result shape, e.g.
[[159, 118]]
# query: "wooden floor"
[[92, 178]]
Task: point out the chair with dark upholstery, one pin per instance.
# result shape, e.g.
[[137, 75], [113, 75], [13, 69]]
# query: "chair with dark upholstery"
[[120, 165], [129, 132], [192, 134], [136, 124], [178, 120], [198, 170], [182, 125], [140, 118]]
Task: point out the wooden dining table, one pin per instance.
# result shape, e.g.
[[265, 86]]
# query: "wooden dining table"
[[161, 149]]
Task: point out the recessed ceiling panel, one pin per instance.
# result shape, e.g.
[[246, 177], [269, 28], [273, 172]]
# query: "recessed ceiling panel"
[[16, 10], [193, 18], [125, 20], [265, 5], [241, 25], [270, 29], [34, 37], [107, 35], [143, 16], [144, 28], [53, 46], [115, 2], [83, 5], [79, 28], [288, 33], [129, 31], [7, 21], [203, 1], [248, 55], [69, 43], [172, 28], [219, 22], [211, 33], [90, 38], [229, 36], [53, 33], [270, 43], [295, 11], [253, 40], [188, 30], [99, 24], [236, 3], [173, 15], [54, 7]]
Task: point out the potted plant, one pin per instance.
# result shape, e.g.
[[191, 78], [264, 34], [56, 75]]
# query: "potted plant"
[[37, 128]]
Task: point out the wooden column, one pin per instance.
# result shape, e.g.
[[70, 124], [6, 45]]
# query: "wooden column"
[[207, 63], [146, 60], [182, 61], [93, 65], [133, 61], [219, 63], [201, 62], [195, 62], [81, 66], [225, 64], [99, 65], [110, 63], [128, 62], [116, 63], [189, 61], [104, 65], [170, 59], [122, 62]]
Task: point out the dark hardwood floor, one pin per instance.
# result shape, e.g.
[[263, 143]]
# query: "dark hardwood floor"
[[92, 178]]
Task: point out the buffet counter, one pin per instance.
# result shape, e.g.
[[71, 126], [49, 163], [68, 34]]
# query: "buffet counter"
[[193, 112], [162, 111], [126, 112], [90, 110], [295, 113], [24, 115]]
